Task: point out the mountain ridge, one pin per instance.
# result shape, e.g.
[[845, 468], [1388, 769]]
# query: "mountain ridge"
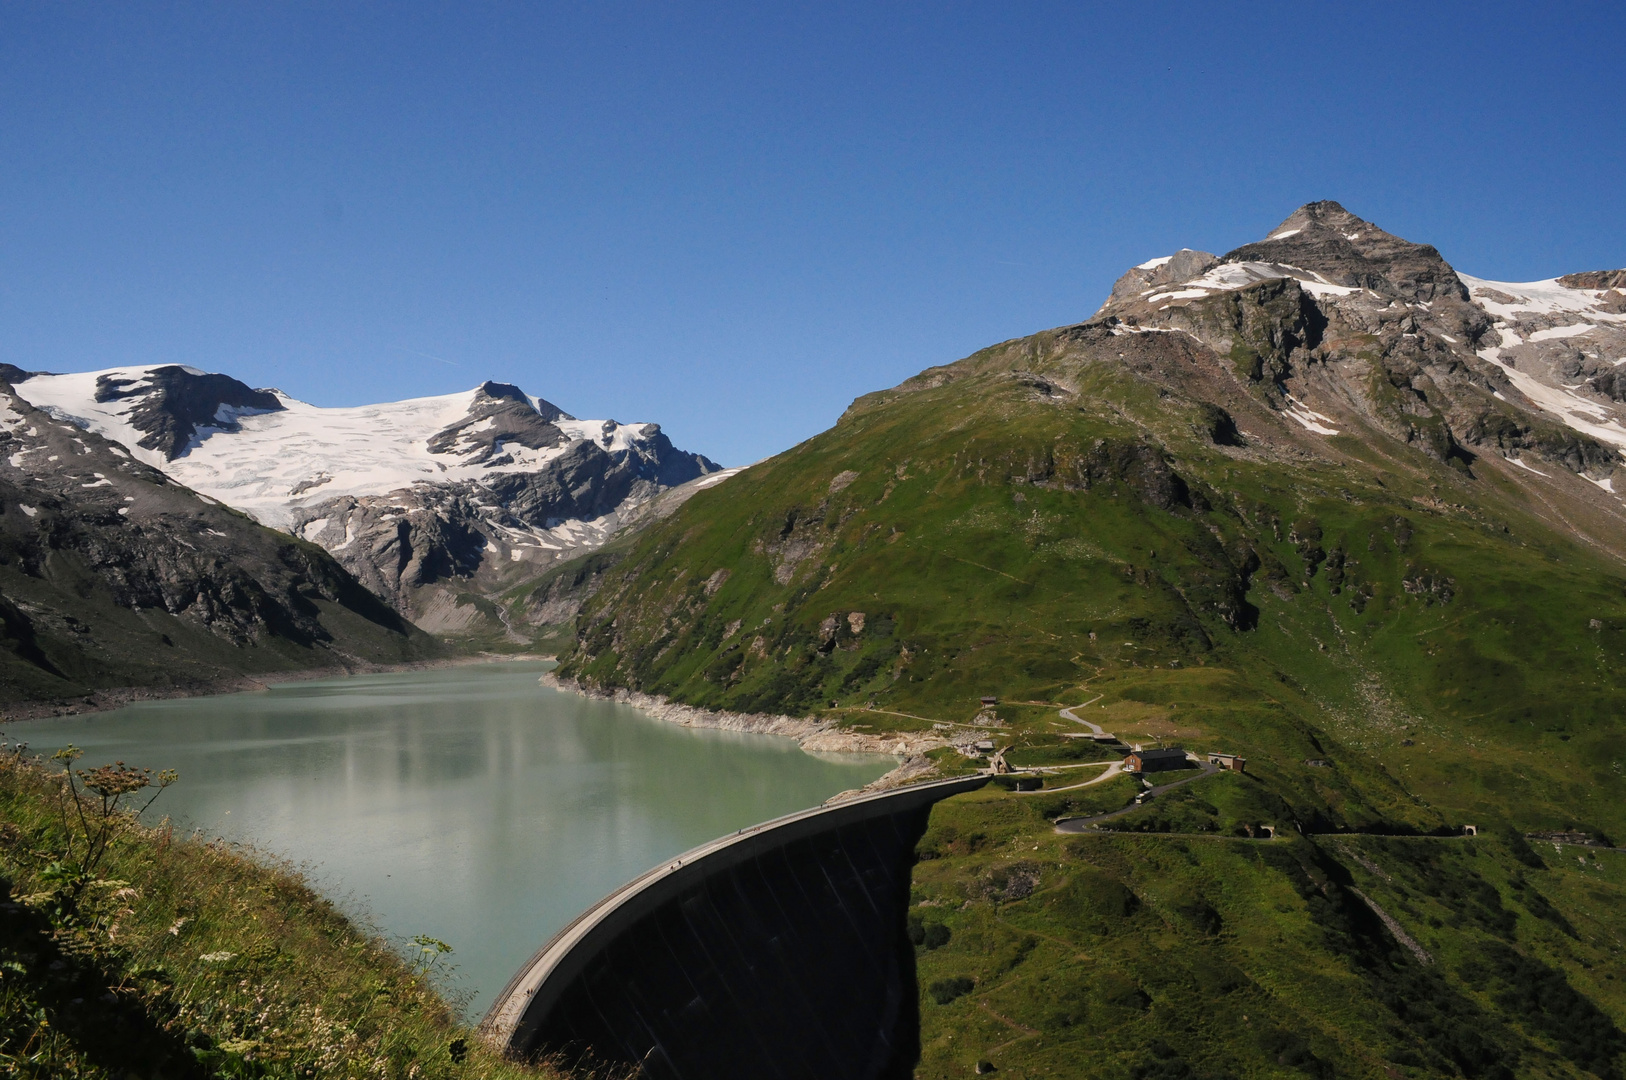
[[116, 580], [1357, 534], [1230, 426], [437, 504]]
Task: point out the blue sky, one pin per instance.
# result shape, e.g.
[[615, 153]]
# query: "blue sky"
[[733, 219]]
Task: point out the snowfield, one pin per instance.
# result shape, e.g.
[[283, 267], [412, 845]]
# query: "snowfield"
[[268, 463]]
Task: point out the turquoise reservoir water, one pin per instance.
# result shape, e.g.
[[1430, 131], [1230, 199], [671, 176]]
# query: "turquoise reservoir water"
[[468, 803]]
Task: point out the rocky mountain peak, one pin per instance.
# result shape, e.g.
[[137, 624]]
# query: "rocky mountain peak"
[[1335, 322], [1350, 251], [12, 374], [173, 403], [1596, 279], [1326, 214], [499, 414], [498, 391], [1183, 265]]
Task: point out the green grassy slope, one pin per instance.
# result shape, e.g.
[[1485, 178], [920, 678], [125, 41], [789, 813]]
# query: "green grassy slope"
[[1441, 659], [1127, 522], [1174, 957], [1453, 654], [169, 956]]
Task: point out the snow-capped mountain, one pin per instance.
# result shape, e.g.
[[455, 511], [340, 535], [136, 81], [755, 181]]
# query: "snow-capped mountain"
[[114, 578], [424, 500], [1385, 331]]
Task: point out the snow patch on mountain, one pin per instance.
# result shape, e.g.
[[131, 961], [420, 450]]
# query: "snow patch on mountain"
[[1309, 418], [1228, 277], [1556, 341], [1515, 300], [1553, 333], [1579, 412], [277, 461]]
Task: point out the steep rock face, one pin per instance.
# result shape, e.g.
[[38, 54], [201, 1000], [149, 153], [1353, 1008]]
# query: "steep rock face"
[[435, 503], [500, 415], [486, 535], [1331, 316], [1183, 265], [172, 403], [1611, 280], [115, 576]]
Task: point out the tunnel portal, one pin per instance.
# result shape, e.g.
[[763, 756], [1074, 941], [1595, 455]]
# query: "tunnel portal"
[[781, 951]]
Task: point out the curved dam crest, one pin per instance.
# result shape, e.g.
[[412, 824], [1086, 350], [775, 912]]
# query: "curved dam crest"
[[780, 950]]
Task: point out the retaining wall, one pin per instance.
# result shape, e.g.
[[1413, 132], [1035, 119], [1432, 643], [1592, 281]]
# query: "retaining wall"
[[779, 951]]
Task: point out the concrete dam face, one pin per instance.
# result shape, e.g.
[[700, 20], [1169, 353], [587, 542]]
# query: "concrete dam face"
[[779, 951]]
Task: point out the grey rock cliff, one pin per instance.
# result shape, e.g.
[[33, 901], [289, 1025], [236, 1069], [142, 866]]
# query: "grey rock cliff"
[[1332, 317], [427, 547], [112, 575]]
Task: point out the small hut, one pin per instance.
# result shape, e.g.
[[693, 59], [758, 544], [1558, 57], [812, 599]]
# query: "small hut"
[[1145, 761]]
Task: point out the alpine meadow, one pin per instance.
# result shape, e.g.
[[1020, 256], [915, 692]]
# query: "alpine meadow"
[[1322, 504]]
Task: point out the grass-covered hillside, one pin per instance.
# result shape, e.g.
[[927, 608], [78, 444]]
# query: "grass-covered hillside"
[[1298, 520], [1174, 957], [130, 952], [1455, 655]]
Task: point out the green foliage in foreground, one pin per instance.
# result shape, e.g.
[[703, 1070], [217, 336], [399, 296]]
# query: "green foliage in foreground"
[[125, 951], [1174, 957]]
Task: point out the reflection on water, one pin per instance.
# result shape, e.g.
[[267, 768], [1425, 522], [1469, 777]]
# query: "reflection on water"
[[467, 803]]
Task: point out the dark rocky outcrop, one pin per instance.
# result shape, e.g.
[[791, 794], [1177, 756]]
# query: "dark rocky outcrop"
[[500, 414], [1611, 383], [1257, 328], [175, 402], [1141, 468], [1513, 432], [1595, 279], [1329, 240], [1218, 425], [114, 576]]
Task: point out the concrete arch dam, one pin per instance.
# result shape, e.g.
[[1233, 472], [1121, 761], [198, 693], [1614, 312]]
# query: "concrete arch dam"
[[780, 951]]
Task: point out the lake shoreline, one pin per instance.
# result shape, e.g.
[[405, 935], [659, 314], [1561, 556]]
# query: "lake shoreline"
[[468, 803], [108, 699], [814, 736]]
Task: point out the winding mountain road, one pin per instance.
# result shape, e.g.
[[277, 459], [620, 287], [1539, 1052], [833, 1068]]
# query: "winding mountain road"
[[1114, 768], [1068, 714], [1084, 824]]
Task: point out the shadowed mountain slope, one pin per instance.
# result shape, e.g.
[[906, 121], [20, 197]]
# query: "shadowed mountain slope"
[[113, 577]]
